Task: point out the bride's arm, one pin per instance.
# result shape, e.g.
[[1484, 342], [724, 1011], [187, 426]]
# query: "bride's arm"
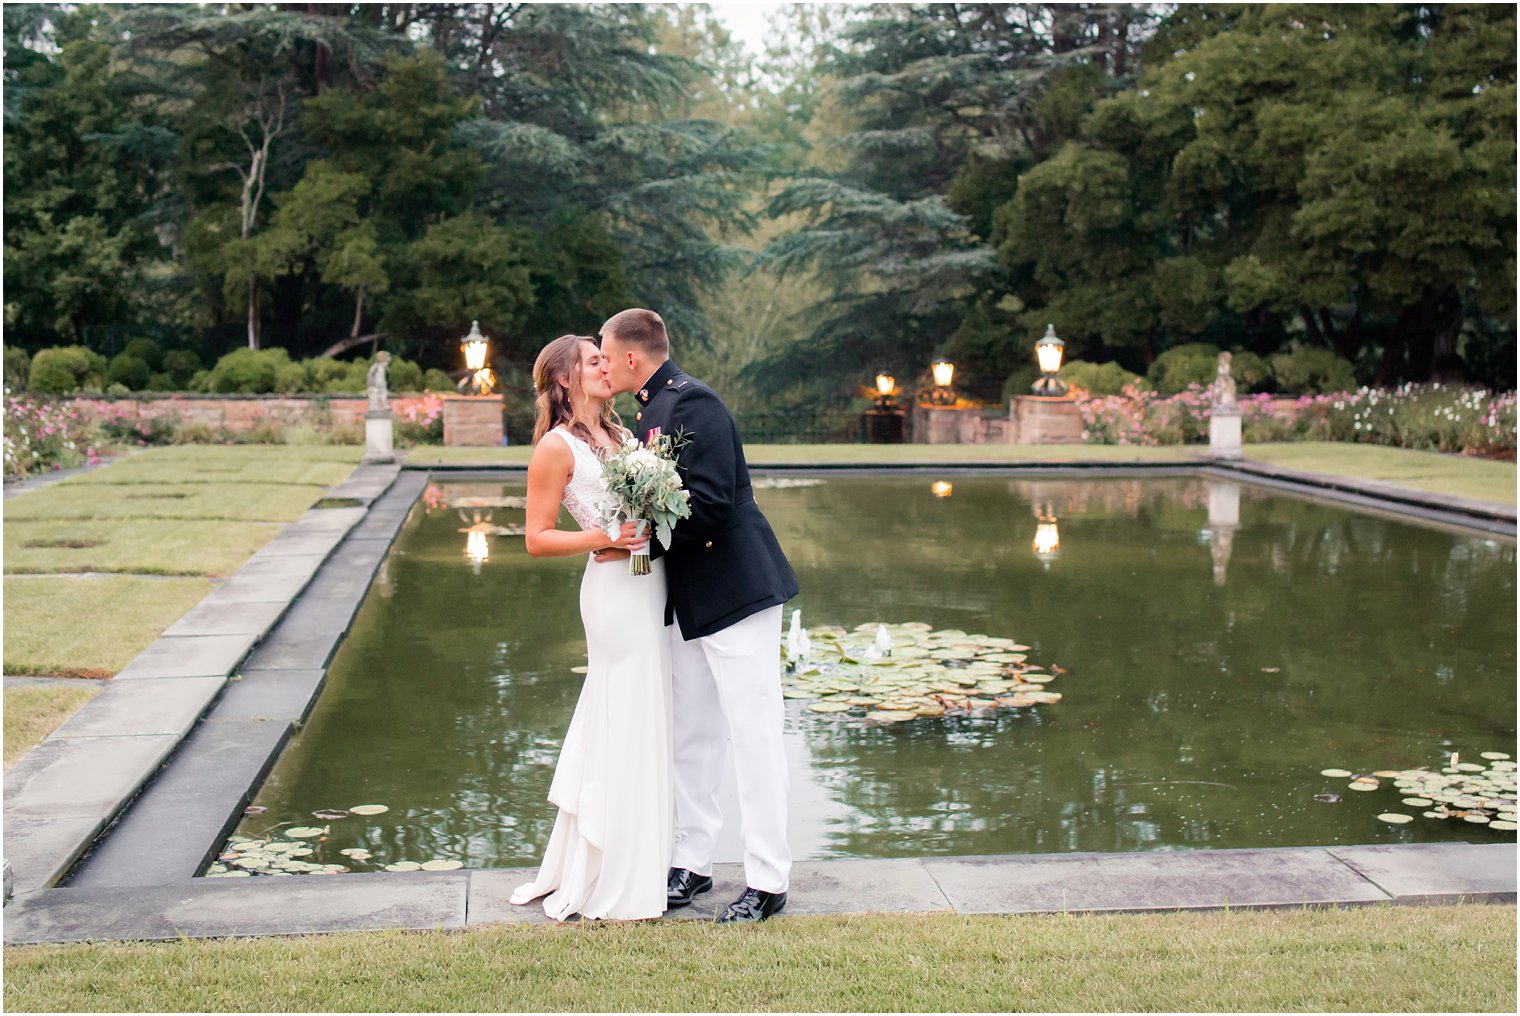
[[549, 472]]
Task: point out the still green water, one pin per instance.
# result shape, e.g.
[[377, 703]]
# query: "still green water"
[[1211, 668]]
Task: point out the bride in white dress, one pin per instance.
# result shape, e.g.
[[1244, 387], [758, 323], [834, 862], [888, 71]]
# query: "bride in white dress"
[[609, 853]]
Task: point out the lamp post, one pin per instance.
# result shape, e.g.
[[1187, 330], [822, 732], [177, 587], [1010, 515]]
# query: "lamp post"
[[884, 422], [479, 380], [943, 372], [1048, 351]]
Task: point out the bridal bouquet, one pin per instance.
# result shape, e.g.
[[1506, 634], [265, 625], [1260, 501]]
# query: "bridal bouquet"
[[644, 480]]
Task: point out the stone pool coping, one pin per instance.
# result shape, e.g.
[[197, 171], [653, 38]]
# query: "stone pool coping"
[[230, 660], [167, 755], [1165, 881]]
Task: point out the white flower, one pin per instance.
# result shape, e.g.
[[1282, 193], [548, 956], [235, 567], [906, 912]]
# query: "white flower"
[[643, 458], [631, 443]]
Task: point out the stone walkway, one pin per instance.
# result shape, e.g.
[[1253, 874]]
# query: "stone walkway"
[[1051, 883], [173, 748]]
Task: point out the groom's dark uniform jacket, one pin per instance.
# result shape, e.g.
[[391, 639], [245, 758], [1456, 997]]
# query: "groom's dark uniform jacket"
[[724, 563]]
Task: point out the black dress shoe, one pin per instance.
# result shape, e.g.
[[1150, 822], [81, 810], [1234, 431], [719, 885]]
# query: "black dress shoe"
[[682, 886], [752, 907]]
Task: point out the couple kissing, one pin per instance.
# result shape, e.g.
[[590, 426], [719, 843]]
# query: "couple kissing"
[[681, 662]]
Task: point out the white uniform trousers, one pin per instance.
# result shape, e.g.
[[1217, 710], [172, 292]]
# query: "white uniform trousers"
[[727, 688]]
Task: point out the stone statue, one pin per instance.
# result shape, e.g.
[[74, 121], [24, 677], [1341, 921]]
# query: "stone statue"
[[1224, 387], [375, 383]]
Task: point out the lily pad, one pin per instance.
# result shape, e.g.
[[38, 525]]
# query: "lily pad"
[[369, 809], [442, 865], [1335, 773], [255, 809], [305, 832], [829, 707], [1504, 824], [1494, 755], [892, 715], [1394, 818], [404, 866], [329, 814], [1418, 802]]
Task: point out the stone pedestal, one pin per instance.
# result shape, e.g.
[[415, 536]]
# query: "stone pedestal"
[[1044, 419], [883, 426], [940, 425], [472, 420], [379, 436], [1224, 435]]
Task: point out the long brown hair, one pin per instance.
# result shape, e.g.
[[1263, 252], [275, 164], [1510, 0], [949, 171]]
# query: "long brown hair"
[[552, 408]]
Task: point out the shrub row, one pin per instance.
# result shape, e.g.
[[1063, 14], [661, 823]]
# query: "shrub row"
[[1304, 370], [1431, 417], [143, 366]]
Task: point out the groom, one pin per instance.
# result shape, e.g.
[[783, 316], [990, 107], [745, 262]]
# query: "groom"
[[726, 579]]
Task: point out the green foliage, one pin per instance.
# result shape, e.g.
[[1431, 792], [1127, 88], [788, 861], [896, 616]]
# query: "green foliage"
[[435, 380], [1308, 370], [147, 351], [401, 376], [130, 371], [248, 371], [1197, 363], [18, 367], [64, 369], [1100, 378], [181, 365]]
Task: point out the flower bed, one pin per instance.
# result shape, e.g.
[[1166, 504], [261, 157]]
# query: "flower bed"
[[1424, 417], [42, 435]]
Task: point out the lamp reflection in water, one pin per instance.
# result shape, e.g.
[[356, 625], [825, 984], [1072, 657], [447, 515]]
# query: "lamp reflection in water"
[[1047, 538], [477, 549], [942, 488]]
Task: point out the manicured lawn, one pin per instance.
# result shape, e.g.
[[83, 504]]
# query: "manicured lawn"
[[140, 546], [1456, 475], [318, 465], [32, 713], [89, 626], [1372, 959], [233, 500]]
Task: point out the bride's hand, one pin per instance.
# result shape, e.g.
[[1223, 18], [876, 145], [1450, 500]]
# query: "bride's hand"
[[628, 540]]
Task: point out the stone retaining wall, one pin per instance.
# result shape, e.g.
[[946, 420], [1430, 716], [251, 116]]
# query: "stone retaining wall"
[[239, 413]]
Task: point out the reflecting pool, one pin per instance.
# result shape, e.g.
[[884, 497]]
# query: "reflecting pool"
[[1216, 646]]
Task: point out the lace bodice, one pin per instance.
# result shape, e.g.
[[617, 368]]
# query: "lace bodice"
[[586, 498]]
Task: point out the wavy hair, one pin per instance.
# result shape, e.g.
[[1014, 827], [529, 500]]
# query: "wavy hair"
[[551, 405]]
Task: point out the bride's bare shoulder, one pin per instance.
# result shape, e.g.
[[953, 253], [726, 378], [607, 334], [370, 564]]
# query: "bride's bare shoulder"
[[551, 456]]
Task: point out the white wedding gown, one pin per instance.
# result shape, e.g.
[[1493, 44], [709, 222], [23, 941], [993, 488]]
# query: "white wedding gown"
[[609, 853]]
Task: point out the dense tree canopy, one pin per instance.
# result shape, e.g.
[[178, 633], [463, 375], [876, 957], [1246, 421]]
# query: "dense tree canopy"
[[881, 185]]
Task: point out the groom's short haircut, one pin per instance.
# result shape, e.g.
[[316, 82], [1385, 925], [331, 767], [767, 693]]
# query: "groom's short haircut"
[[641, 328]]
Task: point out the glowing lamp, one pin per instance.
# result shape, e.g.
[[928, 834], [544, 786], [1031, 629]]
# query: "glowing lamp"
[[886, 385], [1048, 352], [942, 488], [944, 373], [474, 346]]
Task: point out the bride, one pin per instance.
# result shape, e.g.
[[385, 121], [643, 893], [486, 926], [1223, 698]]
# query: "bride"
[[609, 853]]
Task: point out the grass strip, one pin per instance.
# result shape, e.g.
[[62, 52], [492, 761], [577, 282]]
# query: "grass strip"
[[232, 501], [1453, 475], [89, 627], [142, 546], [238, 464], [1374, 959], [32, 713]]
